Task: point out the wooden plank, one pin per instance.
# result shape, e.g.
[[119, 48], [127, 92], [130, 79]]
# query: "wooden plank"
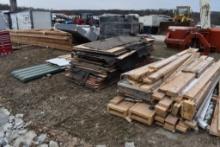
[[191, 67], [168, 68], [116, 100], [147, 80], [166, 102], [169, 127], [141, 112], [180, 68], [203, 80], [161, 111], [204, 66], [191, 124], [176, 109], [213, 129], [157, 95], [188, 109], [121, 109], [152, 87], [174, 87], [156, 66], [160, 119], [182, 127], [137, 74], [218, 115], [172, 120]]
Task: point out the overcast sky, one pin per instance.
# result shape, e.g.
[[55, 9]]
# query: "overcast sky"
[[112, 4]]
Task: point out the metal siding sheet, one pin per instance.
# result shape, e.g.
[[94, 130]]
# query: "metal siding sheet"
[[42, 20], [34, 72], [24, 20]]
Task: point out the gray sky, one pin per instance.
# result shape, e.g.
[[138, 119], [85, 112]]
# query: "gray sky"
[[112, 4]]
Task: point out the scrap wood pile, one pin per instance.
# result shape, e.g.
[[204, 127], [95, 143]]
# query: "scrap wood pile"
[[45, 38], [99, 63], [176, 93]]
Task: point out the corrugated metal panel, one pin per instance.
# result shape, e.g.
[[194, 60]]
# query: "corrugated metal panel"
[[34, 72]]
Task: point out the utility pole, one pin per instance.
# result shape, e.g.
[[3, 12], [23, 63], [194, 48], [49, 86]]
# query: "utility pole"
[[13, 5]]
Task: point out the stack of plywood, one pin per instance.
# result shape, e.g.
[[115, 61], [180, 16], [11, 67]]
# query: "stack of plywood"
[[44, 38], [173, 91], [99, 63]]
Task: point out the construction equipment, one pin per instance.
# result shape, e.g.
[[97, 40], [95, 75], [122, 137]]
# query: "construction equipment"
[[203, 37], [182, 17], [183, 14]]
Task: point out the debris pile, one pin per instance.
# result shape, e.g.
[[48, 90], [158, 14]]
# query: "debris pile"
[[176, 93], [115, 25], [99, 63], [14, 132], [45, 38]]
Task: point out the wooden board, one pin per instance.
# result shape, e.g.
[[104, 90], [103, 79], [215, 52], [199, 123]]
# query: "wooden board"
[[161, 111], [188, 109], [170, 68], [141, 112], [174, 87], [120, 110], [213, 129], [169, 127], [203, 80], [182, 127], [218, 114], [116, 100], [157, 95], [160, 119], [176, 108], [166, 102], [172, 120]]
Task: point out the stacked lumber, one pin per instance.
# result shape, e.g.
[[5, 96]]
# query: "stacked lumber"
[[44, 38], [96, 64], [174, 91], [141, 82]]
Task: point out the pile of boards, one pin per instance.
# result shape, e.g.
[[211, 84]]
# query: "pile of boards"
[[45, 38], [176, 93], [99, 63]]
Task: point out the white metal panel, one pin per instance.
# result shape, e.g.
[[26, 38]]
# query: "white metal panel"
[[24, 20], [41, 20], [3, 23], [14, 22], [152, 20]]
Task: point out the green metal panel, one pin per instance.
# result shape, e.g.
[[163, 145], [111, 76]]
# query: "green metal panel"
[[34, 72]]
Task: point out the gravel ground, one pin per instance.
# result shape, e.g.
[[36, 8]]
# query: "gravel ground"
[[70, 111]]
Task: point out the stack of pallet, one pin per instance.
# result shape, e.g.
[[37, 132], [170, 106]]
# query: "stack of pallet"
[[44, 38], [99, 63], [5, 43], [171, 93]]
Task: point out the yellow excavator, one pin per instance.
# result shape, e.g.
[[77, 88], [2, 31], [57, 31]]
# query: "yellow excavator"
[[182, 16]]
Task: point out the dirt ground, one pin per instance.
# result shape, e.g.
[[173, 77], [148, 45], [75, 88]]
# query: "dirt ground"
[[55, 103]]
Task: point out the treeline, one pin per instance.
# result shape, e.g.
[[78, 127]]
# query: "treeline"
[[215, 15]]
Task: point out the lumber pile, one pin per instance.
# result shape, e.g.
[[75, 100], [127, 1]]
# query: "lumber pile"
[[44, 38], [173, 93], [99, 63]]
